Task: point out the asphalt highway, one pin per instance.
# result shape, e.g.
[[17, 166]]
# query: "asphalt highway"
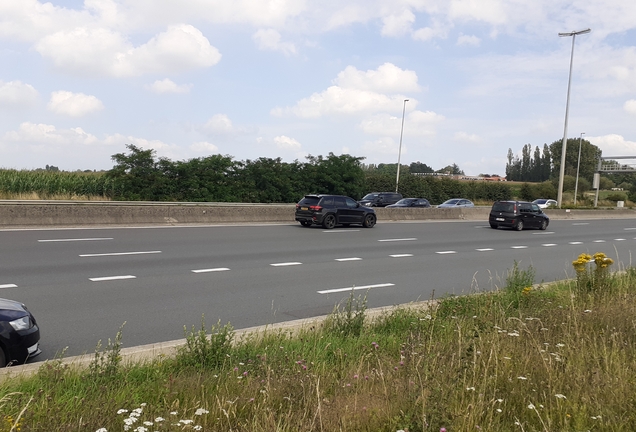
[[83, 284]]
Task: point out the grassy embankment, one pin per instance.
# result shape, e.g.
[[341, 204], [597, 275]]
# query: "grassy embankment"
[[518, 358]]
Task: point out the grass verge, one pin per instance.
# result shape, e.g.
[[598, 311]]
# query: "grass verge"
[[558, 358]]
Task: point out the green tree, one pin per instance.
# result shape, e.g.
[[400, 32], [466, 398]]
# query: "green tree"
[[590, 155]]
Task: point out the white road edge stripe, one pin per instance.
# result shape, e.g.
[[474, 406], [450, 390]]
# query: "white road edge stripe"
[[219, 269], [354, 288], [285, 264], [396, 240], [348, 259], [75, 239], [8, 286], [110, 278], [401, 255], [119, 253]]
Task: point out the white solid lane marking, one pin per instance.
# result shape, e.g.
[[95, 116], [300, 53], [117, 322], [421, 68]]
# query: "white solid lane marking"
[[581, 223], [549, 244], [484, 249], [110, 278], [348, 259], [543, 233], [119, 253], [284, 264], [599, 241], [396, 240], [519, 247], [75, 239], [354, 288], [446, 252], [575, 243], [401, 255], [219, 269], [8, 286]]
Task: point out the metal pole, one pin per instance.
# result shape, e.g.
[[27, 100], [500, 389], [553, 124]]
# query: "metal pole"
[[397, 179], [567, 109], [578, 164]]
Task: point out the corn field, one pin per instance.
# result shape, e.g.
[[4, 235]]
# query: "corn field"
[[25, 184]]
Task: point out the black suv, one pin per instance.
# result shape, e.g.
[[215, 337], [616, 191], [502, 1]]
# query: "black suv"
[[332, 210], [380, 199], [517, 215], [19, 333]]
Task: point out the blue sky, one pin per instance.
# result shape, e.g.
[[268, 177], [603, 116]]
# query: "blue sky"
[[288, 78]]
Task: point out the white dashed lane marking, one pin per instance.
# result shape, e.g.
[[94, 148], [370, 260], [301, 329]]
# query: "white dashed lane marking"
[[119, 254], [619, 239], [549, 244], [218, 269], [543, 233], [575, 243], [111, 278], [348, 259], [75, 239], [629, 229], [581, 223], [446, 252], [340, 231], [519, 247], [285, 264], [401, 255], [397, 240], [354, 288], [484, 249], [599, 241], [8, 286]]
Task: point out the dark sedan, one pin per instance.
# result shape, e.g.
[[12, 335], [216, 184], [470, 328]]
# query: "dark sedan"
[[411, 202], [19, 333]]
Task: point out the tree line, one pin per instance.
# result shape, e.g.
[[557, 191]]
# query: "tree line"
[[139, 175]]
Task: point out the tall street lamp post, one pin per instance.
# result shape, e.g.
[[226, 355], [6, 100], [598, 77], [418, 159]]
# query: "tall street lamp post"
[[567, 109], [578, 164], [397, 179]]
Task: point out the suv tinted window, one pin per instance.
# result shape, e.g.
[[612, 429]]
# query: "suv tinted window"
[[309, 201], [327, 202], [503, 207], [525, 208], [351, 203], [339, 201]]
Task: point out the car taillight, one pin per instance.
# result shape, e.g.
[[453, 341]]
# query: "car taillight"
[[297, 206], [315, 208]]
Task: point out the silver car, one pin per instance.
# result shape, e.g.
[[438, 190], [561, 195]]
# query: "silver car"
[[456, 202]]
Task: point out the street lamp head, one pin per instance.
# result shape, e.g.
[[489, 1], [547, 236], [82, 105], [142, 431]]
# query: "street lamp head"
[[575, 33]]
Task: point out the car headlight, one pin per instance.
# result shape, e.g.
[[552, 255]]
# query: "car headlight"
[[23, 323]]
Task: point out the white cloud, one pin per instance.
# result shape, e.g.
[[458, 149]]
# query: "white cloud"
[[219, 124], [397, 25], [16, 94], [168, 86], [204, 147], [73, 104], [100, 51], [286, 143], [471, 40], [463, 136], [630, 106], [426, 34], [270, 39], [359, 92], [384, 146], [614, 145]]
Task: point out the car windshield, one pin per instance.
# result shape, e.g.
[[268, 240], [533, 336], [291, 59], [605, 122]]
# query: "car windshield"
[[404, 201], [540, 201], [452, 201], [370, 196]]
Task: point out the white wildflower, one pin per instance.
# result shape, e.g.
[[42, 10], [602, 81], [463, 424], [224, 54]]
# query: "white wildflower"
[[499, 410], [122, 411], [106, 430], [159, 419], [531, 407], [470, 388], [521, 378], [186, 422], [201, 411], [560, 396]]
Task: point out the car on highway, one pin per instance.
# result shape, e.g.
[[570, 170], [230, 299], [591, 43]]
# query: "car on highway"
[[544, 203], [332, 210], [517, 215], [380, 199], [411, 202], [456, 202], [19, 333]]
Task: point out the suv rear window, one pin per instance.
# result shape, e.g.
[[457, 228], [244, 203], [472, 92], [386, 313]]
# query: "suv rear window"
[[309, 201], [503, 207]]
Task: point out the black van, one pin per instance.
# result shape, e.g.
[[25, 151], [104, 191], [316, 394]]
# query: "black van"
[[517, 215], [380, 199]]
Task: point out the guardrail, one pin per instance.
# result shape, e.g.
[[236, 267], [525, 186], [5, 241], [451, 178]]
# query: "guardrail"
[[18, 214]]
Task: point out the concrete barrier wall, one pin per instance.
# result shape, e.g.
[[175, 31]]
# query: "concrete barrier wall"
[[15, 214]]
